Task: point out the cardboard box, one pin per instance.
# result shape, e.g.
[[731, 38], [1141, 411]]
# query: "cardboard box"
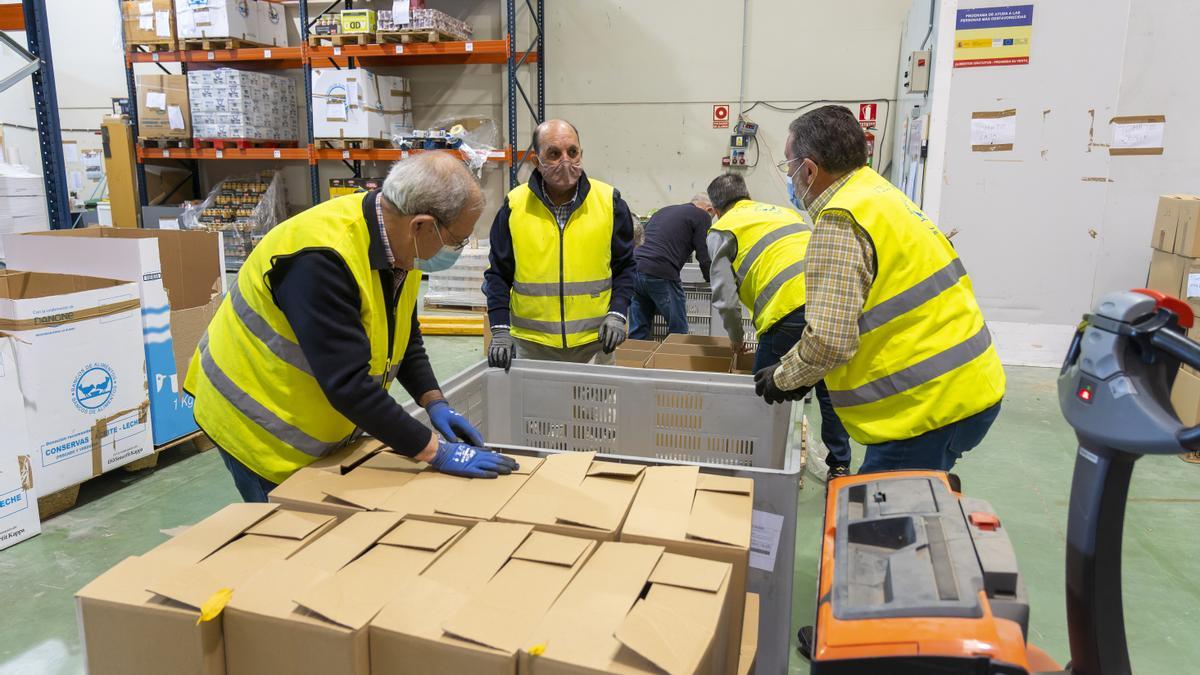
[[691, 349], [147, 21], [743, 364], [82, 372], [343, 460], [477, 605], [143, 615], [1166, 224], [18, 502], [631, 358], [309, 613], [749, 651], [1168, 273], [635, 609], [678, 338], [357, 20], [639, 345], [702, 515], [574, 494], [1185, 397], [690, 362], [163, 111], [272, 23], [180, 281], [199, 19], [387, 482], [346, 103], [1187, 236]]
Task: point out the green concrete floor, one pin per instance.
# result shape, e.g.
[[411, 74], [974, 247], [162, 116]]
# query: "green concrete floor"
[[1023, 468]]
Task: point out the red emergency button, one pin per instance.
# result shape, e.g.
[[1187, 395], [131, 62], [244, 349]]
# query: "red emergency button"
[[920, 62], [988, 522]]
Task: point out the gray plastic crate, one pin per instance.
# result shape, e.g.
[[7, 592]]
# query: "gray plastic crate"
[[486, 397]]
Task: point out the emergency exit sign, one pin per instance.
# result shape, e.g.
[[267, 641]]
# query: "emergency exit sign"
[[867, 112]]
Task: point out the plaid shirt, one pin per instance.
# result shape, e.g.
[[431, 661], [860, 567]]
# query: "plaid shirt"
[[838, 275], [563, 211]]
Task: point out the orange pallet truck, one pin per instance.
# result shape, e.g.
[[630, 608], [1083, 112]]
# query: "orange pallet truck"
[[915, 577]]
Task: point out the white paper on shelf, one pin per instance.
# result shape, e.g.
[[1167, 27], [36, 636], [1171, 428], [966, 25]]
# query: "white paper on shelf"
[[162, 22], [175, 117], [400, 12], [146, 7], [156, 99], [335, 110], [146, 22]]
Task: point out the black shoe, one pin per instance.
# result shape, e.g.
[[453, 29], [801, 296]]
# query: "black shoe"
[[804, 642], [838, 471]]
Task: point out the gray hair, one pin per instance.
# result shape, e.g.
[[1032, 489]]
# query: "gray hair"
[[701, 200], [435, 184]]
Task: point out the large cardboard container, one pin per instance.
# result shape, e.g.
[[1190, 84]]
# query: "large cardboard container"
[[347, 103], [1185, 397], [143, 616], [180, 280], [82, 373], [702, 515], [635, 608], [18, 503], [474, 608], [199, 19], [163, 111], [573, 494], [272, 23], [631, 358], [713, 340], [695, 363], [148, 21], [309, 614], [1186, 209]]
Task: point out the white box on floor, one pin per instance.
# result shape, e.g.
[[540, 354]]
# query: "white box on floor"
[[199, 19], [179, 277], [18, 502], [82, 372]]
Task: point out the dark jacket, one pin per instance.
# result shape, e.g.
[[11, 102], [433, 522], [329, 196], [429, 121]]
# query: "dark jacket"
[[320, 299], [498, 279], [672, 234]]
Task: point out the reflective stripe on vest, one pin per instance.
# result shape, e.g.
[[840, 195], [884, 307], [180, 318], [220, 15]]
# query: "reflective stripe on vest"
[[769, 265], [562, 278], [254, 389], [925, 357]]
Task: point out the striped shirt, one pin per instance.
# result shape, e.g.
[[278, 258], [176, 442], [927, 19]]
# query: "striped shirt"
[[840, 268]]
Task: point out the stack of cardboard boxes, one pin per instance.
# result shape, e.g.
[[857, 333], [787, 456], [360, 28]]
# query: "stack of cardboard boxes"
[[282, 589], [1175, 270], [241, 104], [148, 22], [163, 111], [696, 353], [260, 22], [355, 103]]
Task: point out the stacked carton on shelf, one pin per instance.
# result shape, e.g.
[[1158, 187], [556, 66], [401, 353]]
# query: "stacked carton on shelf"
[[242, 104], [82, 372], [262, 22], [148, 21], [355, 103], [163, 111]]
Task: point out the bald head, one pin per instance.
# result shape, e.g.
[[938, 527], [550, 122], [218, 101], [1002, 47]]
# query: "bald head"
[[554, 129]]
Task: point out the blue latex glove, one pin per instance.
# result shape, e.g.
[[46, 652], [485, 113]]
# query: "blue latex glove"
[[460, 459], [452, 425]]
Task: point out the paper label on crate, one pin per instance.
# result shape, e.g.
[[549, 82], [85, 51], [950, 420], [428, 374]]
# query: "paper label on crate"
[[162, 22], [146, 7], [156, 100], [765, 528], [400, 13], [200, 16], [1193, 285], [175, 117], [146, 22], [335, 110]]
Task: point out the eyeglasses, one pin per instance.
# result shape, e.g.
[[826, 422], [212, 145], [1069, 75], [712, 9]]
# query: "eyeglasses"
[[457, 246], [785, 169]]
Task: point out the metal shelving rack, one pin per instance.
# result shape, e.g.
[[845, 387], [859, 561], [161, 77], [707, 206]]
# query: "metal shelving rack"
[[303, 57]]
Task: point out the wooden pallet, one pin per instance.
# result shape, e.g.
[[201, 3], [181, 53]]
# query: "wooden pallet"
[[240, 143], [197, 438], [341, 39], [151, 46], [353, 143], [210, 44], [409, 36], [440, 307], [54, 504], [1190, 457], [165, 142]]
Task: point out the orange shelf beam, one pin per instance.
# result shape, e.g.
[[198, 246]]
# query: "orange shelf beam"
[[264, 57], [418, 53], [12, 17], [392, 154], [301, 154]]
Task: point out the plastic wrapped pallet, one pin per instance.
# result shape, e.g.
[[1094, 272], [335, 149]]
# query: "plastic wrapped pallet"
[[423, 19], [461, 285], [243, 209], [240, 104]]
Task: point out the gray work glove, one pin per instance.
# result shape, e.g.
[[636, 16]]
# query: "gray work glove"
[[613, 332], [500, 353]]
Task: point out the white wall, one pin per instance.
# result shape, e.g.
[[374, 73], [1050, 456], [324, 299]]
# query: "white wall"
[[638, 77]]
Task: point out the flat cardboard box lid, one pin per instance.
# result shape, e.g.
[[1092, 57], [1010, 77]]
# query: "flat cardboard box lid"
[[347, 540], [422, 535], [749, 647], [308, 486], [200, 540], [503, 613], [673, 641], [544, 494], [349, 457], [393, 461], [125, 582], [18, 285], [689, 572], [638, 346], [269, 592], [367, 487], [662, 507], [722, 517], [288, 524]]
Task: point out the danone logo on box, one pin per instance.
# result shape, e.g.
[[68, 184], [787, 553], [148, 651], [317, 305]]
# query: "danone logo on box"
[[273, 14], [93, 388], [243, 8]]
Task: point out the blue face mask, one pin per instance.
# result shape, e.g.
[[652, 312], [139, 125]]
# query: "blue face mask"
[[797, 201], [441, 261]]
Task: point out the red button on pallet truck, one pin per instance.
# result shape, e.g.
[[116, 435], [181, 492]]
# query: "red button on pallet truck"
[[917, 578]]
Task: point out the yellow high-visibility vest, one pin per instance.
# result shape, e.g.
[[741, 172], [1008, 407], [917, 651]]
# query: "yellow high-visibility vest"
[[925, 357], [563, 277], [255, 392], [771, 243]]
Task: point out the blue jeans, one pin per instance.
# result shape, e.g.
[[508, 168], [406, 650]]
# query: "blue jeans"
[[656, 295], [779, 340], [938, 449], [251, 486]]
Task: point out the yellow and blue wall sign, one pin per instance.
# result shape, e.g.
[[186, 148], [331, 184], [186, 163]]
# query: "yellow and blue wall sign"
[[992, 36]]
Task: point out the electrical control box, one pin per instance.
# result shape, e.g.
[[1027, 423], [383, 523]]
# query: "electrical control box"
[[918, 72]]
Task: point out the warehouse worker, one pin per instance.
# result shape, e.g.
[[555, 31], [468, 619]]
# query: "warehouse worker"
[[322, 318], [893, 324], [758, 253], [562, 269], [673, 234]]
